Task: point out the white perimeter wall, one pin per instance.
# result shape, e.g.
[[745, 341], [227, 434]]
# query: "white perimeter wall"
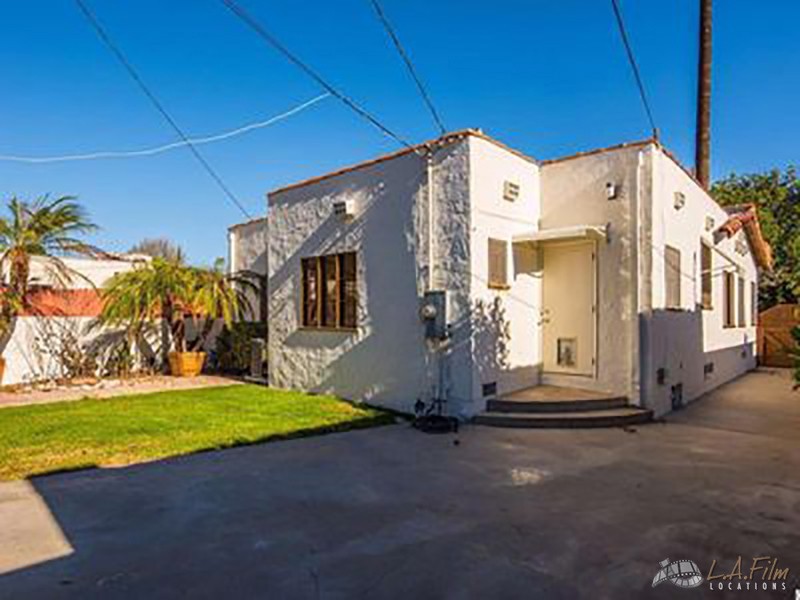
[[574, 193], [87, 273], [682, 342], [506, 329], [30, 353], [386, 360]]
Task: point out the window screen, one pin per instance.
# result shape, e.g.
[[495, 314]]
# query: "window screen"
[[741, 305], [498, 263], [672, 277], [706, 266], [730, 300]]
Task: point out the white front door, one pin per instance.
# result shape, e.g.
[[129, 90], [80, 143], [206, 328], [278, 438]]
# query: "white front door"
[[568, 315]]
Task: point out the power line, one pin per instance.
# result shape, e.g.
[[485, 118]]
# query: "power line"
[[251, 22], [101, 32], [634, 67], [407, 60], [165, 147]]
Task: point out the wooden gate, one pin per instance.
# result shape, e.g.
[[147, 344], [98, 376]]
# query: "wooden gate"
[[774, 334]]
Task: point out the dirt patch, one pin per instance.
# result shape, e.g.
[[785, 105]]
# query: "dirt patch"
[[107, 388]]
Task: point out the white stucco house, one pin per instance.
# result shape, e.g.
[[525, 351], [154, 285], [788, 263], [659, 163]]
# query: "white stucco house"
[[465, 271]]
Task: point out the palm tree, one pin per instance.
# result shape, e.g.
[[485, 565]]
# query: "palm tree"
[[50, 228], [219, 296], [174, 293]]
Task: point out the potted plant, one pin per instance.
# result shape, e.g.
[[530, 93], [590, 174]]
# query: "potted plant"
[[50, 229]]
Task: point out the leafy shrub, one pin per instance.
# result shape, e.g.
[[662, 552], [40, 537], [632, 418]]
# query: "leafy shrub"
[[233, 346]]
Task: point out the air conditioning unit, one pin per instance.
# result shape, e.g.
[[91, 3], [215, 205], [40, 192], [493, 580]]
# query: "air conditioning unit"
[[344, 209], [510, 191]]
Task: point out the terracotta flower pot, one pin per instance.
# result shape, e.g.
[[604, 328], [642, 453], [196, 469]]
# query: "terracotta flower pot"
[[186, 364]]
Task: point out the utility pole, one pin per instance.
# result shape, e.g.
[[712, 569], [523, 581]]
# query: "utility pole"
[[703, 132]]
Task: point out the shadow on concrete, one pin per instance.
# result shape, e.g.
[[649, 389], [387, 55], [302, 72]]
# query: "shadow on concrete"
[[390, 513]]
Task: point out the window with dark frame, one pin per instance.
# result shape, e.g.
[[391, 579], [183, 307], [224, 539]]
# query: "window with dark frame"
[[498, 264], [706, 266], [741, 306], [672, 277], [329, 291], [729, 318]]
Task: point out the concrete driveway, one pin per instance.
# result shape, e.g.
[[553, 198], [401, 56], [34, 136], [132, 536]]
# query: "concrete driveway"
[[393, 513]]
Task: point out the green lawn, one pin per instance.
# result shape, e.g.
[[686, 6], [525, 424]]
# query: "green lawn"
[[130, 429]]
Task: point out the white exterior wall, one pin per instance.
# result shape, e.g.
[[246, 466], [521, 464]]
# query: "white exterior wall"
[[506, 323], [29, 353], [682, 342], [496, 334], [32, 352], [88, 273], [574, 193], [247, 251], [386, 361]]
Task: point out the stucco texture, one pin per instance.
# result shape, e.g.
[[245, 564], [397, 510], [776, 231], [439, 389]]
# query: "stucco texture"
[[385, 360]]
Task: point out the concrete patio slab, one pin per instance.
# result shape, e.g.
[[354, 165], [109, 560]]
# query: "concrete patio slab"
[[393, 513]]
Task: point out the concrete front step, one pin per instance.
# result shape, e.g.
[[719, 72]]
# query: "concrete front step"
[[607, 417], [513, 405]]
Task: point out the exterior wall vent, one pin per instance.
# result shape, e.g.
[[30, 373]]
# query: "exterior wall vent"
[[680, 200], [510, 191], [709, 223], [676, 396], [344, 209], [708, 369], [612, 191]]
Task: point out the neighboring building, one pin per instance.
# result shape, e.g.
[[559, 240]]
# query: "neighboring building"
[[58, 315], [247, 252], [611, 271]]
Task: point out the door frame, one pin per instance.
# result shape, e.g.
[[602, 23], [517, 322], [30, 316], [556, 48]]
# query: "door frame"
[[592, 243]]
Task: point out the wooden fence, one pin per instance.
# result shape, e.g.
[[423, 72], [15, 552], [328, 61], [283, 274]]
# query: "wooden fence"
[[774, 334]]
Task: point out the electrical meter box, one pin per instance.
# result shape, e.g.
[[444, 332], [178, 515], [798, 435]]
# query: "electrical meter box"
[[434, 314]]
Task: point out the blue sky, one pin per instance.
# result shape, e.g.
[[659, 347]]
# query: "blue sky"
[[549, 78]]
